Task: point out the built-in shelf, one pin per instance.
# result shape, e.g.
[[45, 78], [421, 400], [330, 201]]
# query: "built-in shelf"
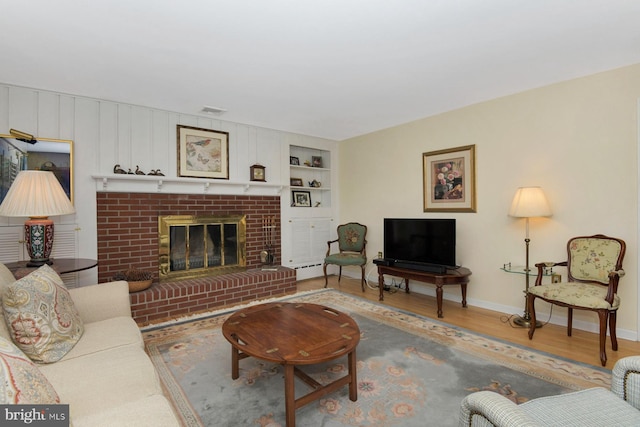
[[163, 184], [309, 168], [297, 187], [320, 197]]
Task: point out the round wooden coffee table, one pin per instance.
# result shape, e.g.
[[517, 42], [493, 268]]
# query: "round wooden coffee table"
[[294, 334]]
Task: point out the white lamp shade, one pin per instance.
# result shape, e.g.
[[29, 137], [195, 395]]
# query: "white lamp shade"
[[529, 202], [36, 194]]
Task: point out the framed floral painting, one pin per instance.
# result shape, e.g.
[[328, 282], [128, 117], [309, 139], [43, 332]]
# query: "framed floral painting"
[[203, 153], [449, 182]]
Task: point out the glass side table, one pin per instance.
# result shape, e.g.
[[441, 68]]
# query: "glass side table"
[[533, 272]]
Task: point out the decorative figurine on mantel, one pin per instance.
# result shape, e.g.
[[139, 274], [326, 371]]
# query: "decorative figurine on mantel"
[[117, 169], [138, 171]]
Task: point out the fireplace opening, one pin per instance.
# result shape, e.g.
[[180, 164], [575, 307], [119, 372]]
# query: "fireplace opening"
[[193, 246]]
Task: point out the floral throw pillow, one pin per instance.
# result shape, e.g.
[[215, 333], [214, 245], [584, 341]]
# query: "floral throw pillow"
[[41, 316], [21, 382]]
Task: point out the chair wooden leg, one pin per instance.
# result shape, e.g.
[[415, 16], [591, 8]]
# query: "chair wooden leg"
[[612, 329], [362, 279], [532, 311], [603, 315], [340, 274], [326, 279], [569, 321]]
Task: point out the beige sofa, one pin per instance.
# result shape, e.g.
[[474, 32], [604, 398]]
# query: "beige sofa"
[[107, 378]]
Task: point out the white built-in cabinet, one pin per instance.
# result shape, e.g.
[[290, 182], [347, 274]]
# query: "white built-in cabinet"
[[308, 207], [309, 242]]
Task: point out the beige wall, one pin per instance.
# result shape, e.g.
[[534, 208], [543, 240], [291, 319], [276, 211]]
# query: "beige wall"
[[577, 140]]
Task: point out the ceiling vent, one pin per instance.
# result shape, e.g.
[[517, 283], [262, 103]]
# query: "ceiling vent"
[[213, 110]]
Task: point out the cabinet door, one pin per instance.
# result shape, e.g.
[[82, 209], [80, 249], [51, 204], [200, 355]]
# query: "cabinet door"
[[320, 235], [300, 241], [12, 244], [309, 238]]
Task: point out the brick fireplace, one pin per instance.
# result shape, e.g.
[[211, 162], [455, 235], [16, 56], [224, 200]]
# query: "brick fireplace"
[[128, 238]]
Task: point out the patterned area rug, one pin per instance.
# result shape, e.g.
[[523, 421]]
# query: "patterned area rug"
[[412, 371]]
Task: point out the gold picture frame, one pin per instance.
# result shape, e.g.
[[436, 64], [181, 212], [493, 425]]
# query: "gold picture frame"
[[202, 153], [449, 180]]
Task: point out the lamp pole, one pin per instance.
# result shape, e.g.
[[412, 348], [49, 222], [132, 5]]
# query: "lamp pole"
[[528, 202]]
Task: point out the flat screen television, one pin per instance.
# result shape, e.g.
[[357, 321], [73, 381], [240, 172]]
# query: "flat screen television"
[[420, 243]]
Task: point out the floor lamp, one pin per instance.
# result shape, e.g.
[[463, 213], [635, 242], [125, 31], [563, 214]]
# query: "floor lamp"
[[528, 202]]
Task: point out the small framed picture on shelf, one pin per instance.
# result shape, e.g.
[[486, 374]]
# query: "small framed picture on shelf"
[[297, 182], [294, 161], [316, 161], [301, 198]]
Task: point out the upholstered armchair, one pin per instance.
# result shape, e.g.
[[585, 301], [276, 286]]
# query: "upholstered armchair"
[[592, 407], [594, 269], [352, 243]]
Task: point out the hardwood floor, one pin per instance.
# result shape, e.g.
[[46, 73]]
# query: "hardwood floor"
[[581, 346]]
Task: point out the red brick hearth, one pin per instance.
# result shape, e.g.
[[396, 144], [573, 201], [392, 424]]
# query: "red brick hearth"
[[128, 238], [171, 299]]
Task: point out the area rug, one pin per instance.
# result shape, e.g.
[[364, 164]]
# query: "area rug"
[[412, 371]]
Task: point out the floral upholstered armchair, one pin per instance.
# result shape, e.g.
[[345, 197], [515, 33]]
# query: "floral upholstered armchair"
[[352, 243], [594, 269], [591, 407]]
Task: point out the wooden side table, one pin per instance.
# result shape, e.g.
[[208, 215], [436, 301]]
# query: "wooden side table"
[[294, 334], [457, 276], [60, 266]]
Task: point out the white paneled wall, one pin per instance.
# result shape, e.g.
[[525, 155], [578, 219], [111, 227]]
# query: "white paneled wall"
[[107, 133]]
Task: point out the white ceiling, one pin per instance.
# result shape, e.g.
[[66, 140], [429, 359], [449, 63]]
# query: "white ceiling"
[[329, 68]]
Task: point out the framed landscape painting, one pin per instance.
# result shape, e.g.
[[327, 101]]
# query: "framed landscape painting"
[[203, 153], [449, 183]]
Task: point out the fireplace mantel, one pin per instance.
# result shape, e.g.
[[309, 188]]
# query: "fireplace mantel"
[[127, 183]]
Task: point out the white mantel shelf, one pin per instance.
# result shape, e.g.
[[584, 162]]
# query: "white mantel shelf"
[[127, 183]]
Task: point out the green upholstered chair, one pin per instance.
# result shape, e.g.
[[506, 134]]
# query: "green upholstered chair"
[[594, 268], [352, 245]]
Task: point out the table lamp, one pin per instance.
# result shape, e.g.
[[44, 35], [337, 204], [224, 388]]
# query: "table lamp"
[[37, 195], [528, 202]]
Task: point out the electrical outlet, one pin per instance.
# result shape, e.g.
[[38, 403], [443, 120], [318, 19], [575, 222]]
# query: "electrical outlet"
[[379, 254]]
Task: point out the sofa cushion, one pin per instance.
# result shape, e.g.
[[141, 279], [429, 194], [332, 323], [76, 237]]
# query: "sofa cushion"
[[103, 380], [106, 335], [153, 411], [41, 317], [591, 407], [21, 382]]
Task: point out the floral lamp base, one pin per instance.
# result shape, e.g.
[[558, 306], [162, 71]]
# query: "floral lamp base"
[[38, 233]]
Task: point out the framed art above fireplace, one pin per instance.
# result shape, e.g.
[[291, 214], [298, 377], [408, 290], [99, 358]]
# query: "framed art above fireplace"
[[202, 153]]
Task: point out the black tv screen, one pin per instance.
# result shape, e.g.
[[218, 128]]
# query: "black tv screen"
[[424, 241]]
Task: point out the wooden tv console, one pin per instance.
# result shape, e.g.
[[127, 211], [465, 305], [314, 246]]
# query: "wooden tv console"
[[458, 276]]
